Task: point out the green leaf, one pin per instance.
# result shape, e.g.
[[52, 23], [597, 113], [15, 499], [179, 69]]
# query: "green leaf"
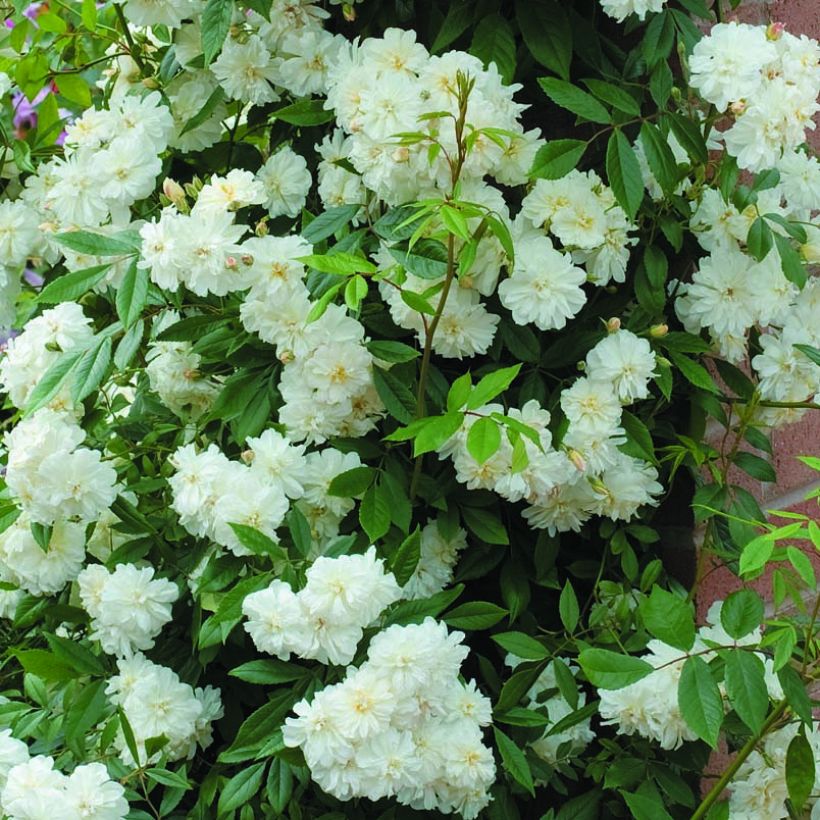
[[427, 259], [216, 20], [96, 244], [812, 352], [612, 670], [128, 735], [800, 561], [75, 654], [417, 302], [741, 613], [339, 263], [41, 534], [566, 682], [279, 787], [269, 672], [615, 96], [173, 780], [132, 294], [755, 466], [90, 369], [575, 100], [352, 482], [74, 88], [794, 689], [299, 530], [659, 156], [800, 770], [693, 372], [45, 665], [760, 239], [328, 222], [491, 386], [639, 440], [522, 646], [518, 716], [257, 542], [646, 807], [688, 133], [624, 173], [192, 328], [406, 559], [129, 345], [71, 286], [374, 513], [204, 113], [557, 158], [85, 711], [793, 268], [493, 42], [389, 351], [241, 787], [514, 761], [669, 618], [547, 33], [746, 687], [699, 700], [485, 525], [394, 393], [483, 439], [52, 381], [458, 19], [755, 554], [415, 611], [304, 112], [568, 608], [474, 615]]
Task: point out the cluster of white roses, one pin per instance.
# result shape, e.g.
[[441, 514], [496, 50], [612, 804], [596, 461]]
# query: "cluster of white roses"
[[439, 549], [621, 9], [760, 789], [401, 725], [589, 475], [768, 79], [211, 492], [128, 607], [32, 789], [649, 708], [325, 619], [157, 703]]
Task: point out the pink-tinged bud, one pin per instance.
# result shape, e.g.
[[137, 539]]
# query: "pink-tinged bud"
[[349, 13], [248, 456], [231, 263], [286, 356], [774, 31], [247, 260], [737, 108], [658, 331], [577, 459], [173, 190], [613, 325], [401, 154]]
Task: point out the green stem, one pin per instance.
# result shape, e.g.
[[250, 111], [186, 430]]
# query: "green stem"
[[731, 770], [428, 350], [132, 48]]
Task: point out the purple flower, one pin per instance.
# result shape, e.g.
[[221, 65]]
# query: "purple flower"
[[33, 278]]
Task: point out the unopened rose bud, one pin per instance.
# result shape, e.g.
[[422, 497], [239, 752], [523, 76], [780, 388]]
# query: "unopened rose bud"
[[261, 228], [737, 108], [191, 375], [247, 260], [248, 456], [658, 331], [611, 289], [231, 263], [150, 82], [662, 360], [401, 154], [774, 31], [598, 486], [582, 366], [173, 190], [577, 459], [349, 13], [286, 356], [191, 190], [613, 325]]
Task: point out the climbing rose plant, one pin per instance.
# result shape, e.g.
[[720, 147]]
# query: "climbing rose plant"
[[358, 366]]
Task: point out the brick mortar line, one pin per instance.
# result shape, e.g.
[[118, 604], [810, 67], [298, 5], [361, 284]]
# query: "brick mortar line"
[[792, 497]]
